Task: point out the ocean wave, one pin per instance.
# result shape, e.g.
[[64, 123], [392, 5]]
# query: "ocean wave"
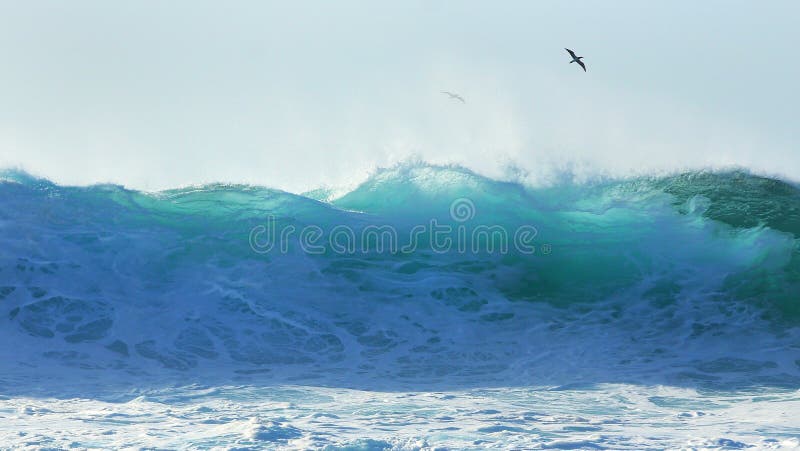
[[692, 277]]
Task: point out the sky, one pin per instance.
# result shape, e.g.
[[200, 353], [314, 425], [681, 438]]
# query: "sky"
[[304, 94]]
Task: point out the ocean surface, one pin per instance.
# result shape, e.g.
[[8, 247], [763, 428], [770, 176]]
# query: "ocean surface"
[[428, 308]]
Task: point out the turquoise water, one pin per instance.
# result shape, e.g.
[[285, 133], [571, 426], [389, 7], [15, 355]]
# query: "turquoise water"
[[630, 304]]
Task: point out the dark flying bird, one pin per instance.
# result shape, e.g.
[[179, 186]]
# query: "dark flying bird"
[[454, 96], [575, 58]]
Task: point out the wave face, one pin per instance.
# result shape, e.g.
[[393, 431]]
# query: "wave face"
[[684, 279]]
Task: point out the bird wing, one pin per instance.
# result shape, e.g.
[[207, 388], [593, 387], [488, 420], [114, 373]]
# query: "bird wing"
[[571, 53], [453, 95], [582, 65]]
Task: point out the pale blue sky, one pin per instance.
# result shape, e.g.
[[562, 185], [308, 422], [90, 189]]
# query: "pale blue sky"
[[300, 94]]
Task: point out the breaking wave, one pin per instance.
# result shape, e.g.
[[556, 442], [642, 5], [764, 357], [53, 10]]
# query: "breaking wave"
[[692, 278]]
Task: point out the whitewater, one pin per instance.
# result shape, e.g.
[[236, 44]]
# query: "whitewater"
[[655, 312]]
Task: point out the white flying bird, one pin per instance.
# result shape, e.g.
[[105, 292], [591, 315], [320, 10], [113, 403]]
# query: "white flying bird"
[[576, 59], [454, 96]]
